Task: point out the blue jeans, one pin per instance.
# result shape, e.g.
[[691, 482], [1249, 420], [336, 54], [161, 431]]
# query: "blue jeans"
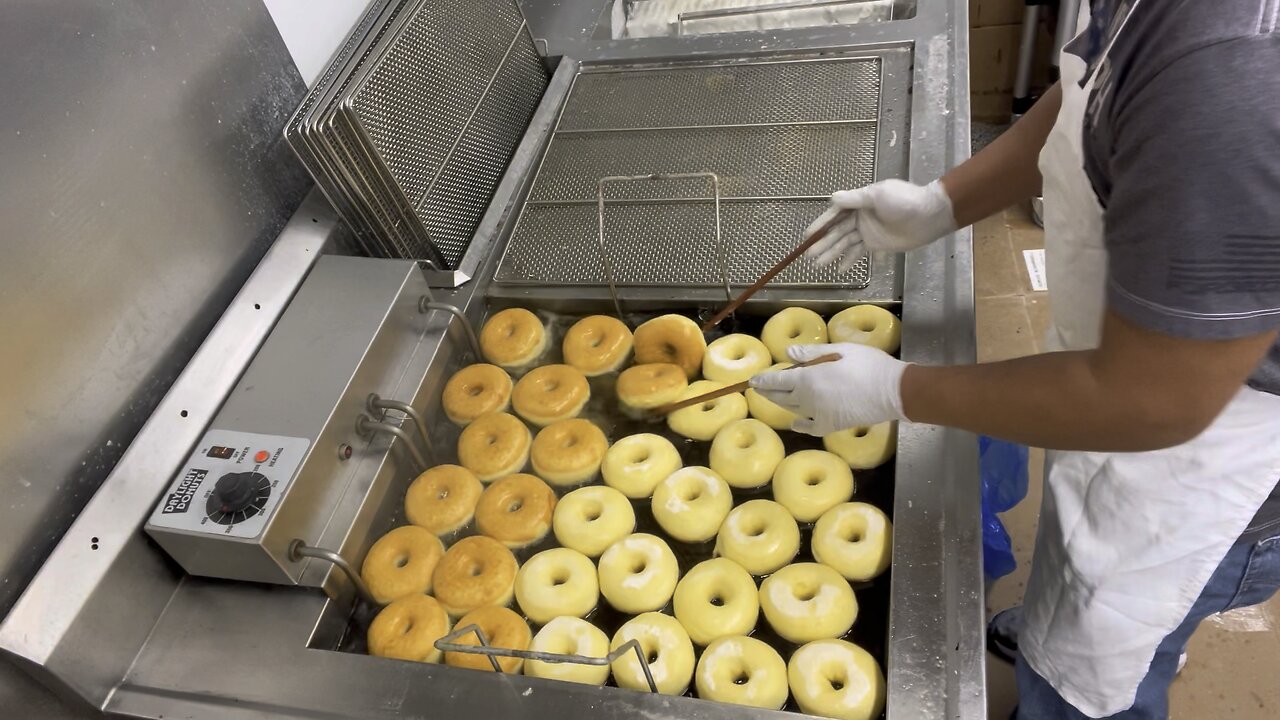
[[1248, 575]]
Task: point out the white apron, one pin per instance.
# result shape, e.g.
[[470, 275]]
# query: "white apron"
[[1127, 541]]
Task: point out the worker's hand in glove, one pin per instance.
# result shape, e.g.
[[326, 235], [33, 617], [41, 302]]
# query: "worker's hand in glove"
[[888, 216], [863, 387]]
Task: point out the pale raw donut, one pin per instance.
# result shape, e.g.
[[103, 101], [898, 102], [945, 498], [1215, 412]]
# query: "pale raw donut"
[[810, 482], [808, 601], [836, 679], [569, 452], [704, 420], [759, 535], [664, 644], [408, 629], [592, 518], [401, 563], [715, 599], [637, 463], [638, 573], [475, 572], [691, 503], [742, 671], [550, 393], [442, 499], [513, 339], [766, 410], [476, 390], [503, 628], [734, 358], [570, 636], [866, 325], [643, 387], [597, 345], [864, 447], [855, 539], [745, 453], [793, 326], [557, 582], [516, 510], [494, 446], [671, 339]]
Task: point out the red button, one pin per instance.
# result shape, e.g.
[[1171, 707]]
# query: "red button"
[[262, 456]]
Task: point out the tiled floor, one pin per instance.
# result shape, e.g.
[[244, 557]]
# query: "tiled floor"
[[1233, 658]]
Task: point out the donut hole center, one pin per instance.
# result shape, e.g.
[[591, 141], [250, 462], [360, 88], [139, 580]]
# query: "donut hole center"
[[691, 494], [515, 505], [401, 560], [854, 535], [866, 326], [552, 386], [559, 579], [408, 626], [475, 390], [511, 331], [736, 354], [491, 439], [708, 406], [641, 456], [860, 432], [652, 657], [569, 442], [741, 678], [591, 513], [805, 594], [755, 529], [716, 601], [474, 570], [443, 494], [794, 334], [745, 441], [837, 682], [814, 479], [595, 341], [638, 567], [669, 350]]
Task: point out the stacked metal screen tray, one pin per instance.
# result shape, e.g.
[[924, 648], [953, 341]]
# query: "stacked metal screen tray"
[[780, 136], [412, 125]]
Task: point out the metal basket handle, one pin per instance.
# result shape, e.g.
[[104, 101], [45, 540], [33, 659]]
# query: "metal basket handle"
[[721, 248], [448, 644]]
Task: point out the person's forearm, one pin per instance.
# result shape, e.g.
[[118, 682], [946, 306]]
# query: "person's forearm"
[[1006, 171]]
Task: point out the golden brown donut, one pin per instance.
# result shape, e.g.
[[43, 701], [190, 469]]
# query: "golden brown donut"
[[494, 446], [476, 390], [647, 386], [513, 338], [597, 345], [671, 339], [502, 628], [401, 563], [475, 572], [442, 499], [569, 452], [408, 629], [516, 510], [551, 393]]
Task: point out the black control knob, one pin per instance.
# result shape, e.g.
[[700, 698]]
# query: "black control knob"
[[237, 496]]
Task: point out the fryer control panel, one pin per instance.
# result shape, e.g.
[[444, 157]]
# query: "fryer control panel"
[[231, 484]]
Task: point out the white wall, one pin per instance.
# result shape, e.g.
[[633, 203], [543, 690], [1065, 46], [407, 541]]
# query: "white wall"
[[313, 29]]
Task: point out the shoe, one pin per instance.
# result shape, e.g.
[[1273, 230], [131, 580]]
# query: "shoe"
[[1182, 662], [1002, 634]]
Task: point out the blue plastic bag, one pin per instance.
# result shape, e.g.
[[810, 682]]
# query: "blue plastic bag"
[[1003, 466]]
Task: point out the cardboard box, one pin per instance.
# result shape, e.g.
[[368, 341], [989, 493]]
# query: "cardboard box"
[[984, 13], [993, 63]]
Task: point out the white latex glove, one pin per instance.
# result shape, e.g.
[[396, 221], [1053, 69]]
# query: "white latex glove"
[[863, 387], [889, 216]]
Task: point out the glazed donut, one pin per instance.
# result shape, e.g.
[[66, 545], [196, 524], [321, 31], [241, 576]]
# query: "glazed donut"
[[494, 446], [808, 601], [569, 452], [516, 510], [671, 339], [703, 421], [401, 563], [864, 447], [550, 393], [742, 671], [557, 582], [745, 453], [664, 644], [513, 339], [855, 539], [597, 345], [476, 390], [866, 325], [592, 518], [811, 482], [759, 535], [691, 503], [570, 636], [836, 679], [643, 387], [793, 326], [442, 499], [503, 628], [638, 573], [475, 572], [637, 463], [408, 629], [766, 410], [734, 358], [715, 599]]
